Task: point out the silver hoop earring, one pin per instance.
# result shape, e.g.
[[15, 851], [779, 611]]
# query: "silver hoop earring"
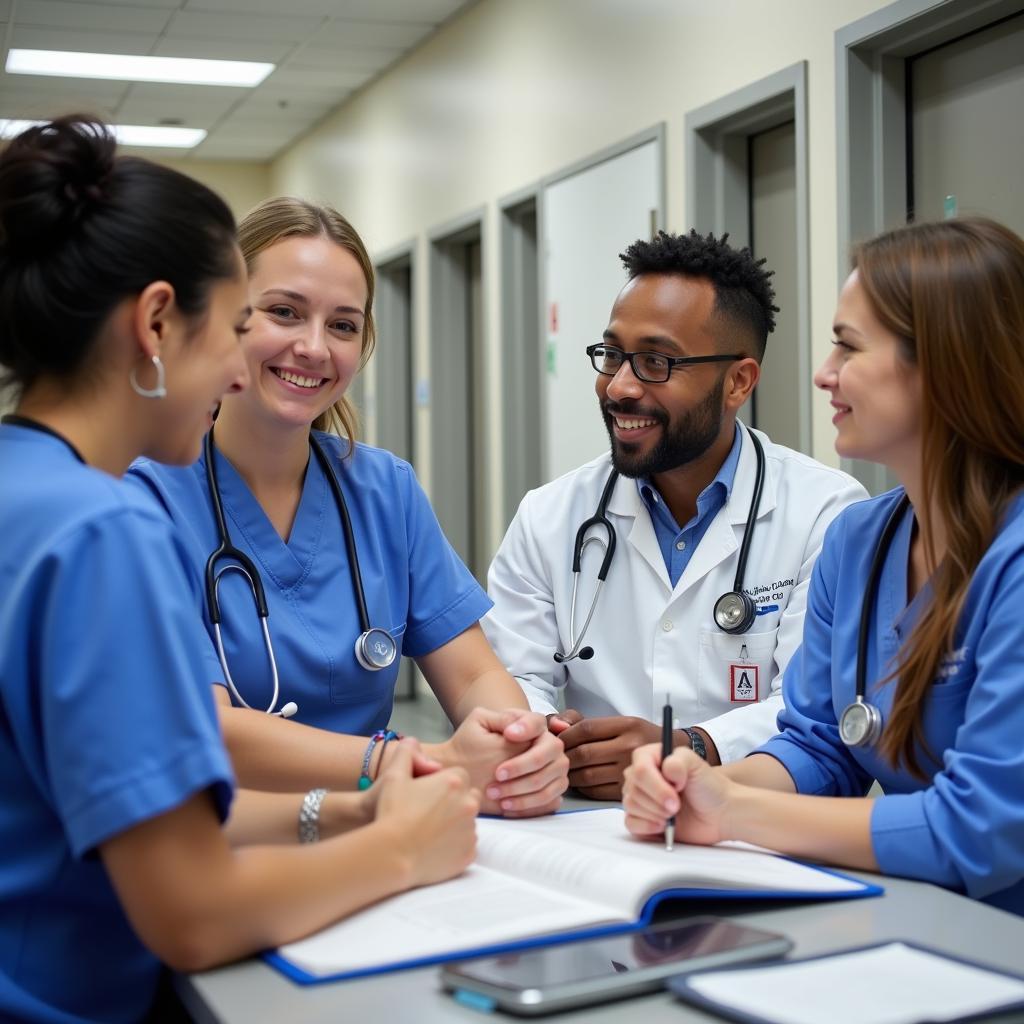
[[159, 391]]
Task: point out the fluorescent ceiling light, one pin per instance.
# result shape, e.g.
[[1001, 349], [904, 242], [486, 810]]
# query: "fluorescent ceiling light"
[[127, 134], [181, 70]]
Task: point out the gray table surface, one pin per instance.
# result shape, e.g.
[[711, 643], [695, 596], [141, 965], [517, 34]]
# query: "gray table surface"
[[251, 991]]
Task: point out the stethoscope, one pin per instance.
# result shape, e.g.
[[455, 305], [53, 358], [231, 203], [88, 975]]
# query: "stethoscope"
[[375, 648], [734, 612], [860, 724]]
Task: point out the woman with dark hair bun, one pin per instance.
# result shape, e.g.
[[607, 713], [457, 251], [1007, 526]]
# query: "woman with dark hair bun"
[[912, 665], [122, 298]]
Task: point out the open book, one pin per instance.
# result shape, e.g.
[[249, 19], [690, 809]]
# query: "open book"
[[534, 881]]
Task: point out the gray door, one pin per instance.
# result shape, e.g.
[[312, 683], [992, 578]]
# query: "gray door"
[[589, 217], [966, 105], [393, 358], [457, 425], [772, 176], [521, 366], [393, 405]]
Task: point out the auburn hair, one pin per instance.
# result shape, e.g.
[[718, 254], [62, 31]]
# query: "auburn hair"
[[953, 293], [274, 220]]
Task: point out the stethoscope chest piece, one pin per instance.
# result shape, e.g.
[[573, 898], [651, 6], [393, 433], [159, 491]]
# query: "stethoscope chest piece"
[[860, 724], [375, 649], [735, 612]]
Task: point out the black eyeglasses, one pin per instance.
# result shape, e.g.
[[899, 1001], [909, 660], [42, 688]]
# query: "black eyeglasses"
[[652, 367]]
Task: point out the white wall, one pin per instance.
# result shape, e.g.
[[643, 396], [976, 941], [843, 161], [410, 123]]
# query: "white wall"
[[513, 90], [242, 185]]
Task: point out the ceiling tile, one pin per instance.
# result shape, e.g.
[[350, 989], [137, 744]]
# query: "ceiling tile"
[[98, 17], [349, 32], [273, 107], [168, 5], [150, 111], [219, 96], [253, 149], [330, 55], [423, 11], [328, 47], [72, 93], [331, 81], [260, 27], [221, 49], [300, 8], [31, 38]]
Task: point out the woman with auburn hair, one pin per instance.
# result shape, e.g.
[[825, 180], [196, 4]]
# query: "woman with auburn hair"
[[122, 297], [352, 561], [919, 589]]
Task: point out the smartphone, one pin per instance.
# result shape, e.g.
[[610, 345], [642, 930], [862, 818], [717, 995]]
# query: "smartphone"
[[576, 973]]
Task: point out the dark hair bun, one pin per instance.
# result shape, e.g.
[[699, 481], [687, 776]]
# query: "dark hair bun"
[[51, 177]]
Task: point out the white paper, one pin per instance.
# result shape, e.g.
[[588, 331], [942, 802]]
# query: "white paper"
[[539, 877], [892, 984]]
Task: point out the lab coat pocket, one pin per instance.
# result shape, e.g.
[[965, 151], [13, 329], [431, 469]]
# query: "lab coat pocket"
[[734, 670]]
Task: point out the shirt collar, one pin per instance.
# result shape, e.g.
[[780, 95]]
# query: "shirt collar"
[[724, 479]]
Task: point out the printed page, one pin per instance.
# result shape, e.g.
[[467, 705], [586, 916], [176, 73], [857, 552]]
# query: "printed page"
[[609, 865], [907, 986], [479, 908]]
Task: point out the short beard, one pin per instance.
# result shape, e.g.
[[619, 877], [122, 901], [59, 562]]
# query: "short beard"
[[691, 436]]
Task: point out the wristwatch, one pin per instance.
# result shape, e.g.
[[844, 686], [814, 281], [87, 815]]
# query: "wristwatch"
[[309, 816], [697, 743]]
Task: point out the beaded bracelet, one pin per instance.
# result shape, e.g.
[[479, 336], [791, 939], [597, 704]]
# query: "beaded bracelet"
[[387, 735]]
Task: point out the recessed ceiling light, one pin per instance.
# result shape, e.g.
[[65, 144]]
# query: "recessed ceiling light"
[[126, 134], [125, 67]]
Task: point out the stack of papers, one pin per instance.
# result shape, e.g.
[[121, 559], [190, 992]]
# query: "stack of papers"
[[894, 983]]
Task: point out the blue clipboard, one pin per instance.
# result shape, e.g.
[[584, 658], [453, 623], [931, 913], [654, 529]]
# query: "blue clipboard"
[[302, 977]]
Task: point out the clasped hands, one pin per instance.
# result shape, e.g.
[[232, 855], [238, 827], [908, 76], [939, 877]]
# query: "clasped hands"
[[600, 749], [513, 759]]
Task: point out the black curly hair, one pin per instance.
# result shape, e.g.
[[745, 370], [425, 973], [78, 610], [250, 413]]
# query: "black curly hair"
[[743, 293]]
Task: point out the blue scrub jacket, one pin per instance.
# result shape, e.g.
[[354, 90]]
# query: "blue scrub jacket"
[[416, 587], [964, 827], [102, 723]]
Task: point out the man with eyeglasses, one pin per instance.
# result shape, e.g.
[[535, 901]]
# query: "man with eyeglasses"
[[681, 354]]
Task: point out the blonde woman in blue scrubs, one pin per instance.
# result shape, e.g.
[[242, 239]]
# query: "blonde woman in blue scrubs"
[[122, 298], [311, 288]]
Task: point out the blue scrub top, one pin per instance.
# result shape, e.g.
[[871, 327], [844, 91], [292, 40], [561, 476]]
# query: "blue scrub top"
[[102, 725], [964, 827], [416, 587]]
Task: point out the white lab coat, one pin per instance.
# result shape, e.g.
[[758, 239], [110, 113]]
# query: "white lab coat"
[[648, 638]]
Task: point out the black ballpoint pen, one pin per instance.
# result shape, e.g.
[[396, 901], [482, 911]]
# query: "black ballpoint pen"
[[666, 749]]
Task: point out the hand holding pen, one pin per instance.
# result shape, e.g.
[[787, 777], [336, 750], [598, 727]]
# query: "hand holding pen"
[[677, 795]]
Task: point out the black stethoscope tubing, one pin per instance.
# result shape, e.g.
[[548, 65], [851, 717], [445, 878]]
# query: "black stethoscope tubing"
[[740, 607], [860, 724], [375, 648]]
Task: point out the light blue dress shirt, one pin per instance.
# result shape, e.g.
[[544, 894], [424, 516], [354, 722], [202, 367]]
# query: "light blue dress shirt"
[[416, 587], [678, 545], [963, 827], [102, 723]]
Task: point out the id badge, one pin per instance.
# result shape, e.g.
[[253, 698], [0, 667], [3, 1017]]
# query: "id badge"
[[744, 681]]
